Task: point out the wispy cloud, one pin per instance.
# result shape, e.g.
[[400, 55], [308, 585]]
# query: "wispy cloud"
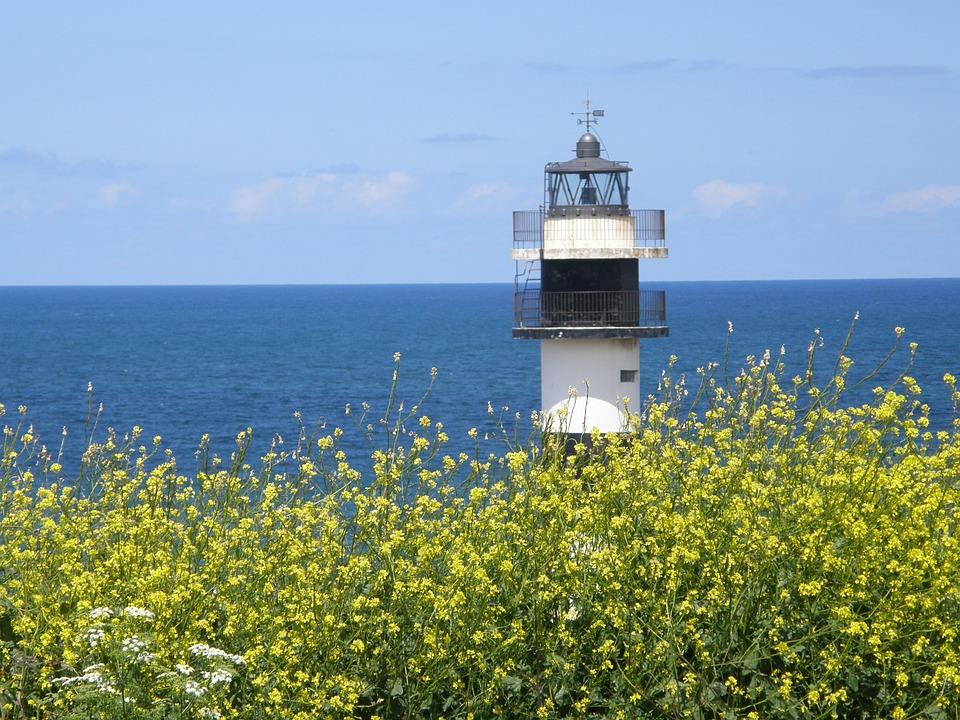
[[110, 194], [280, 195], [15, 205], [870, 72], [344, 168], [23, 159], [928, 199], [482, 193], [548, 68], [718, 196], [643, 66], [457, 138], [41, 185]]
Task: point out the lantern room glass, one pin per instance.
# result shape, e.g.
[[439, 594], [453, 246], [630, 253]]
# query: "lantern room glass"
[[576, 189]]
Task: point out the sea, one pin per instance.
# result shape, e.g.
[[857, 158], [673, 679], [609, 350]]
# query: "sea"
[[185, 361]]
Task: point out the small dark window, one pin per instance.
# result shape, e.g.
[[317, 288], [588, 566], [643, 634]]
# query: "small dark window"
[[628, 376]]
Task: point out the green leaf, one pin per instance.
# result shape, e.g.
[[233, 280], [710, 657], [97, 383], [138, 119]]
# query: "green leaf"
[[853, 681], [511, 684], [397, 689], [7, 634]]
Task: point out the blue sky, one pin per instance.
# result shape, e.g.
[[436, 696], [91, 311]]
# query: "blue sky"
[[306, 142]]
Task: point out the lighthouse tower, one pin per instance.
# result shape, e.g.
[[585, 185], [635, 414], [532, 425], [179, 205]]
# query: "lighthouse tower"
[[577, 288]]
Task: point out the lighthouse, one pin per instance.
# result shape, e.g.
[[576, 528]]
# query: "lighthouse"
[[577, 288]]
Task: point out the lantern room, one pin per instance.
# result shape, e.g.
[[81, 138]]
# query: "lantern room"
[[586, 184]]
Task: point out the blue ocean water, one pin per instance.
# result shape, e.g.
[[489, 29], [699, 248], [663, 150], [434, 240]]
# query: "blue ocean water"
[[183, 361]]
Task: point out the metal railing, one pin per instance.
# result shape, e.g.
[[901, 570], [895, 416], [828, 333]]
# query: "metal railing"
[[649, 225], [527, 229], [590, 308]]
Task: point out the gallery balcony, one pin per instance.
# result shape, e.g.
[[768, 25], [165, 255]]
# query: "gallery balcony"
[[598, 314], [589, 231]]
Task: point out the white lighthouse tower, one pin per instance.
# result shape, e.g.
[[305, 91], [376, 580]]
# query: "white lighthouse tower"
[[577, 288]]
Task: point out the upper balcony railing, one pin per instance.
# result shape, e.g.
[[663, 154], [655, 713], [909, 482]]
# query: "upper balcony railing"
[[600, 308], [610, 227]]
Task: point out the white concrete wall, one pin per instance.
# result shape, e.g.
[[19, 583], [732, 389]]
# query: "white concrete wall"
[[589, 232], [569, 363]]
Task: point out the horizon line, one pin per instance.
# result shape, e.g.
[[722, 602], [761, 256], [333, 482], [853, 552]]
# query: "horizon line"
[[440, 283]]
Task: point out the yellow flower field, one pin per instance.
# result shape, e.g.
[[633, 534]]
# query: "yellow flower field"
[[756, 550]]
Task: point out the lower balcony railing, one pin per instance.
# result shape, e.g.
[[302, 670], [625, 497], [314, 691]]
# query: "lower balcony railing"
[[590, 308]]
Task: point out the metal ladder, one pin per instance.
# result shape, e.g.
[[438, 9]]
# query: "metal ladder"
[[526, 283], [526, 280]]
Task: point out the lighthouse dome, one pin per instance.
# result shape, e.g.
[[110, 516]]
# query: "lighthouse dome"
[[588, 146], [584, 415]]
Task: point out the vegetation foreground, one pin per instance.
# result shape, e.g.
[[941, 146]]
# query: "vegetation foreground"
[[756, 549]]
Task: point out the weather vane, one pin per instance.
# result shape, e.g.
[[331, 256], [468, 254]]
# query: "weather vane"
[[588, 116]]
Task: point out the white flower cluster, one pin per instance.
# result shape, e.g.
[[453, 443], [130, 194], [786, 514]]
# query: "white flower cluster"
[[101, 613], [136, 648], [217, 677], [132, 645], [212, 653], [93, 636], [91, 676], [208, 714], [200, 682], [139, 613], [194, 688]]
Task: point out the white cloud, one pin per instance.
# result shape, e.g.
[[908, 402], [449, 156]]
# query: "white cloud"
[[329, 191], [482, 192], [718, 196], [111, 193], [928, 199], [16, 205]]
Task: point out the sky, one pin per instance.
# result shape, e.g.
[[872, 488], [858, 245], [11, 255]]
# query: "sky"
[[321, 142]]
